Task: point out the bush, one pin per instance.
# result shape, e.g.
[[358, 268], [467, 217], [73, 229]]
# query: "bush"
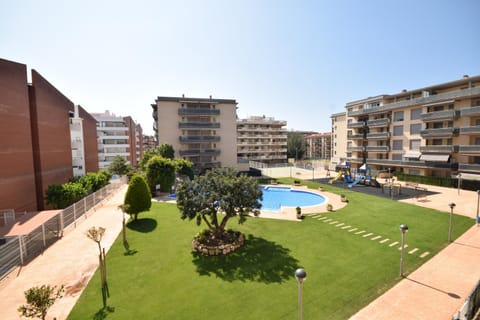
[[137, 197], [160, 171], [329, 207]]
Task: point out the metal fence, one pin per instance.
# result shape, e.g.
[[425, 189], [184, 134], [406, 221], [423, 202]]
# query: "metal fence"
[[471, 305], [18, 250]]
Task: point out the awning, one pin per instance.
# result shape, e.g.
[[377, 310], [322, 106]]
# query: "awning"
[[412, 154], [468, 176], [435, 157], [364, 167]]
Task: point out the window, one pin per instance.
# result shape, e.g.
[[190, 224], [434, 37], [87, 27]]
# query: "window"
[[398, 116], [415, 114], [415, 128], [397, 145], [398, 130], [415, 144], [397, 156]]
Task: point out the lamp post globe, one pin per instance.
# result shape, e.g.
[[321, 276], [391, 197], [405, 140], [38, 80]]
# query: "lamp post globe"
[[451, 205], [403, 229], [301, 275]]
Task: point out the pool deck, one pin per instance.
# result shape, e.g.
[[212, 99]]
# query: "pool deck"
[[288, 213]]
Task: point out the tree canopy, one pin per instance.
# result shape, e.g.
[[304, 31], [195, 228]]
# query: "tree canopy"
[[137, 198], [119, 166], [296, 147], [163, 150], [161, 171], [216, 197], [39, 300]]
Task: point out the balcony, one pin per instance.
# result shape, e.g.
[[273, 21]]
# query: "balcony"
[[207, 125], [439, 149], [378, 135], [469, 149], [199, 139], [360, 148], [418, 101], [355, 137], [440, 115], [198, 112], [470, 130], [199, 152], [378, 148], [439, 132], [470, 167], [408, 164], [473, 111], [359, 124], [384, 122]]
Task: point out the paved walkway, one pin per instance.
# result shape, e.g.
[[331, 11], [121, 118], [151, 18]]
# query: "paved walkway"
[[71, 261]]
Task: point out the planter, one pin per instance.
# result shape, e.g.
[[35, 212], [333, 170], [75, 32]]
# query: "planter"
[[343, 198]]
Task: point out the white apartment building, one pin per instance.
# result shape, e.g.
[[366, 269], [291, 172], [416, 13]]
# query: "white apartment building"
[[202, 130], [339, 137], [112, 137], [432, 131], [318, 145], [262, 139], [78, 149]]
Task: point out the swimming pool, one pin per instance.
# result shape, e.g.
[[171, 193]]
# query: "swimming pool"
[[276, 197]]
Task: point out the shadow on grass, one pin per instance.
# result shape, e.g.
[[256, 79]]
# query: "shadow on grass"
[[258, 260], [128, 251], [142, 225], [103, 313]]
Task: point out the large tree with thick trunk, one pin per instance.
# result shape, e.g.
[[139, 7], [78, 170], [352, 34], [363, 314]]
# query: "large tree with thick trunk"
[[216, 197]]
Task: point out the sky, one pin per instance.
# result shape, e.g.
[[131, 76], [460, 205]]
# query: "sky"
[[298, 61]]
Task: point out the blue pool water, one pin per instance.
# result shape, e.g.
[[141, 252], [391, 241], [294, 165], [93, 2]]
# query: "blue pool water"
[[276, 197]]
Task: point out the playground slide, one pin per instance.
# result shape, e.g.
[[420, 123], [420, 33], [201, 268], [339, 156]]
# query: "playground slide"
[[359, 178], [339, 175], [374, 182]]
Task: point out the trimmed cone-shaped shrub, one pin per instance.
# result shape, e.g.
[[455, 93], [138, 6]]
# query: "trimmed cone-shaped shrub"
[[137, 197]]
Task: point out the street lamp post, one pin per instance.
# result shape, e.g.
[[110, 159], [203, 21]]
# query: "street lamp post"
[[451, 205], [459, 176], [404, 229], [478, 204], [313, 174], [301, 275]]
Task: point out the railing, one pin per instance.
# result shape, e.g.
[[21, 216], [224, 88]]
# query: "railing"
[[447, 148], [198, 111], [358, 124], [378, 135], [439, 115], [473, 111], [439, 132], [401, 163], [200, 152], [18, 250], [378, 122], [191, 139], [471, 167], [355, 137], [469, 148], [378, 148], [214, 125], [470, 130]]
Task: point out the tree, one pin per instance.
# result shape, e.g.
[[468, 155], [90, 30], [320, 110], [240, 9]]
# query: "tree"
[[61, 196], [118, 166], [161, 171], [184, 167], [163, 150], [96, 234], [295, 145], [137, 198], [39, 299], [216, 197]]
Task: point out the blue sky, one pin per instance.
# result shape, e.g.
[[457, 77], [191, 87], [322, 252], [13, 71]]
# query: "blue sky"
[[298, 61]]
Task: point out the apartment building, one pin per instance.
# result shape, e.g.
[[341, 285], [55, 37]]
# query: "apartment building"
[[202, 130], [432, 131], [117, 136], [36, 139], [149, 142], [339, 137], [262, 139], [318, 145]]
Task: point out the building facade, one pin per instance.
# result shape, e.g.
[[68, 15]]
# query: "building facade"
[[432, 131], [318, 145], [117, 136], [149, 142], [202, 130], [262, 139], [339, 137], [35, 136]]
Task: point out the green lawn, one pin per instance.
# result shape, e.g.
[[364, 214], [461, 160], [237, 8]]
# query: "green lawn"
[[162, 279]]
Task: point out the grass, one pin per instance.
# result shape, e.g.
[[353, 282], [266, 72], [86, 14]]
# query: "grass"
[[159, 277]]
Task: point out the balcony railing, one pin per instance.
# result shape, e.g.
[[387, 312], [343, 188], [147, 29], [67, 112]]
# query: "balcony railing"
[[198, 112], [378, 148], [439, 115], [441, 149], [473, 111], [378, 135], [439, 132], [470, 167], [200, 152], [209, 125], [358, 124], [199, 139], [360, 148], [422, 100], [355, 137], [410, 164], [470, 130], [469, 148], [378, 122]]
